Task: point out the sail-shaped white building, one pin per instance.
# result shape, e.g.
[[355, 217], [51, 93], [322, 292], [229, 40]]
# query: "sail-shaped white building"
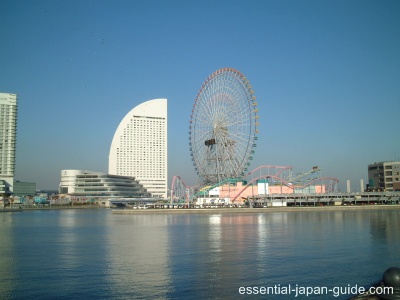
[[139, 146]]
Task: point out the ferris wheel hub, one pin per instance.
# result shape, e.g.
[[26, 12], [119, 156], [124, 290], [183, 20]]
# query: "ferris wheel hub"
[[223, 126]]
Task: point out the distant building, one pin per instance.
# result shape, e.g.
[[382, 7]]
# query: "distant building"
[[24, 188], [384, 176], [47, 192], [8, 137], [139, 147], [97, 184], [4, 188]]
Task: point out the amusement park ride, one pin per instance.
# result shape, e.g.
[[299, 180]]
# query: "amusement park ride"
[[222, 141]]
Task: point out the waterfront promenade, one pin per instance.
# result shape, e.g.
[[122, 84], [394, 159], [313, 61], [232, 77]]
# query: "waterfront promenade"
[[254, 210]]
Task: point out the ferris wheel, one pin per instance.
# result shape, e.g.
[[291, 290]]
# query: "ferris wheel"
[[223, 127]]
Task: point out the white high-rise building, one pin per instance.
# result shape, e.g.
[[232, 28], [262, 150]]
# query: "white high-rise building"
[[8, 137], [139, 146]]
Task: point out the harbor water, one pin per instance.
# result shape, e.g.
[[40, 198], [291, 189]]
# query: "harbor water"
[[94, 254]]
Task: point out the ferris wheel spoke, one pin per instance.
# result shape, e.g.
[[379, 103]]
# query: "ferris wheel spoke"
[[222, 130]]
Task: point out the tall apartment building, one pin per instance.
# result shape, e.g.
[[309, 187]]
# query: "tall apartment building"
[[8, 136], [384, 176], [139, 146]]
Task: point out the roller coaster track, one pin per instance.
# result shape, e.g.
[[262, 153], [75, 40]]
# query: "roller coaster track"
[[208, 188], [332, 182], [179, 188], [277, 174]]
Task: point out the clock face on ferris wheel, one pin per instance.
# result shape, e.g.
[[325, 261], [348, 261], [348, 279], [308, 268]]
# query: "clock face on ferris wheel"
[[223, 126]]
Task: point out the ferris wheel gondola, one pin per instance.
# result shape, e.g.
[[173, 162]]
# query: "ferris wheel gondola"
[[223, 126]]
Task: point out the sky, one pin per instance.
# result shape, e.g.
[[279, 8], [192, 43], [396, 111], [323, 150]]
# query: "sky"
[[326, 75]]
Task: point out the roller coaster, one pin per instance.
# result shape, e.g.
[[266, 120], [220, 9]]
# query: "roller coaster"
[[279, 179]]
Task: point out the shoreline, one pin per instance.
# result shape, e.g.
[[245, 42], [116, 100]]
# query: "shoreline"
[[253, 210], [53, 207]]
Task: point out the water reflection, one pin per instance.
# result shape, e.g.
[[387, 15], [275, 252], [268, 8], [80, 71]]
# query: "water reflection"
[[7, 258], [378, 228], [215, 237], [96, 254], [67, 242], [263, 244], [138, 252], [212, 255]]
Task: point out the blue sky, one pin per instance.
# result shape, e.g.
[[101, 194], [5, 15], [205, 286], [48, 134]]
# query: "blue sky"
[[326, 75]]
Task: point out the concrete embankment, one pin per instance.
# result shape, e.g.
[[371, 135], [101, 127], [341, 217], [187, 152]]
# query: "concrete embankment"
[[9, 210], [49, 207], [253, 210]]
